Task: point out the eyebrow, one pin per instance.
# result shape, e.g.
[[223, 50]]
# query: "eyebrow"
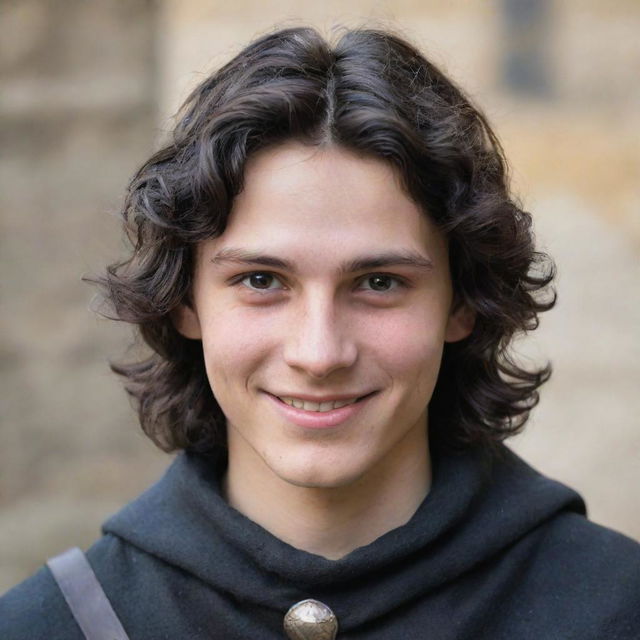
[[363, 263]]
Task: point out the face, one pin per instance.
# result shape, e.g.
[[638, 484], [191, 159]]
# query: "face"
[[323, 310]]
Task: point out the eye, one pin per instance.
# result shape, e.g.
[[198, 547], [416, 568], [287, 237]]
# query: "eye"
[[261, 281], [379, 282]]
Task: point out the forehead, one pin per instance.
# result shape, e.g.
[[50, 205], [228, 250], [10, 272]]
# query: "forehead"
[[328, 202]]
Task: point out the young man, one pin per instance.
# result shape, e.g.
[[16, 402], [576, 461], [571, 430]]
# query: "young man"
[[328, 269]]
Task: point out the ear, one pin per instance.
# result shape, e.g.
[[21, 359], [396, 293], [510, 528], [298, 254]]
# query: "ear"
[[185, 320], [461, 322]]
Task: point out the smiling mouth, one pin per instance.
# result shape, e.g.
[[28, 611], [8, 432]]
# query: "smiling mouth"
[[319, 407]]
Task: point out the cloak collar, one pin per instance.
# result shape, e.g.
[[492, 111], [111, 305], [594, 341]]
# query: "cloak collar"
[[479, 504]]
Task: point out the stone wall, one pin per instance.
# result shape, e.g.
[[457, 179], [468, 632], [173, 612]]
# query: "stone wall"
[[78, 113]]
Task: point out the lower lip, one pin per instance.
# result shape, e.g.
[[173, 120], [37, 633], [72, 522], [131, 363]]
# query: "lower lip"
[[318, 419]]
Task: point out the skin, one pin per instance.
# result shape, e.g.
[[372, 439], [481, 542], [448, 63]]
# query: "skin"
[[329, 283]]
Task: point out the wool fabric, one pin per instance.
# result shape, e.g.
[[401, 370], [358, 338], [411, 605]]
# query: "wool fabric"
[[495, 551]]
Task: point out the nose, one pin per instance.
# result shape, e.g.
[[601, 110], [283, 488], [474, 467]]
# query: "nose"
[[319, 339]]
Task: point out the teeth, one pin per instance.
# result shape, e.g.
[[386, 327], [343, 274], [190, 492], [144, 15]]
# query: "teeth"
[[316, 406]]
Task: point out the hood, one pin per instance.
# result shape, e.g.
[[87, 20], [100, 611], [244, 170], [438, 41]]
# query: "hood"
[[479, 504]]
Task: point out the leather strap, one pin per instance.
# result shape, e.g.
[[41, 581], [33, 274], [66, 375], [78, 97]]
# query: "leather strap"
[[84, 595]]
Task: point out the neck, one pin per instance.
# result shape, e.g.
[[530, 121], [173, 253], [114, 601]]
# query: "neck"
[[332, 522]]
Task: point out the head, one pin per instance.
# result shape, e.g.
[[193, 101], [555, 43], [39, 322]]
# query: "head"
[[375, 107]]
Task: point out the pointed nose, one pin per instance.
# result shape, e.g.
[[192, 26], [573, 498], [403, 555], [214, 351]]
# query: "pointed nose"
[[320, 341]]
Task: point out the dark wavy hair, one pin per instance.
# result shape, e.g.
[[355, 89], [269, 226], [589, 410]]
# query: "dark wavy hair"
[[375, 94]]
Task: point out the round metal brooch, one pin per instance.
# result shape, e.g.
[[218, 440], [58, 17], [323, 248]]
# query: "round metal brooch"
[[310, 620]]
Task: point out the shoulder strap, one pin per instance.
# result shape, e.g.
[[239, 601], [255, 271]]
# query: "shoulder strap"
[[85, 597]]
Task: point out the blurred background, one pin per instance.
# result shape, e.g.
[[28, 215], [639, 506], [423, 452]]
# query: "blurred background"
[[87, 93]]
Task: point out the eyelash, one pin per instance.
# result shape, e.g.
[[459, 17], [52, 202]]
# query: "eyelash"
[[244, 276], [397, 281]]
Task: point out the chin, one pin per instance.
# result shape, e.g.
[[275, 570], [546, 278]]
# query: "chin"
[[332, 476]]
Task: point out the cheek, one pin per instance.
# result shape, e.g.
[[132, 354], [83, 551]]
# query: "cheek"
[[410, 349], [234, 347]]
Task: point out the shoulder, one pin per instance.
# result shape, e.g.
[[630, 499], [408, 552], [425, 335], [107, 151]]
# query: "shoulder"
[[35, 609], [587, 575], [140, 588], [577, 545], [561, 574]]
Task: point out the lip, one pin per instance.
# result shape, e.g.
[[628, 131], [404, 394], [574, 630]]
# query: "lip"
[[336, 397], [317, 419]]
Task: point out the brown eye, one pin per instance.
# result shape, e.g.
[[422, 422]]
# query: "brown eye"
[[261, 281], [379, 282]]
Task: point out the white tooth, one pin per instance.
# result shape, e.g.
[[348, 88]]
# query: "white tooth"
[[316, 406]]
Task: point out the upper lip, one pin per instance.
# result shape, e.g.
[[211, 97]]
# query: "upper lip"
[[337, 397]]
